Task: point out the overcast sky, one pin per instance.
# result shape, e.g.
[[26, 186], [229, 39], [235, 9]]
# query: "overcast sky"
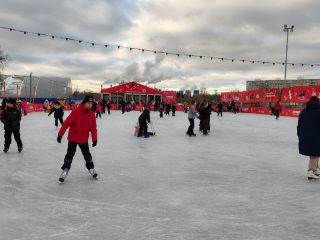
[[246, 29]]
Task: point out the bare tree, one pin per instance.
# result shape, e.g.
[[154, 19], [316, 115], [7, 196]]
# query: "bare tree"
[[4, 60]]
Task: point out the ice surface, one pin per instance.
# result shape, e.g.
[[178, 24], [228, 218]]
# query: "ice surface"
[[245, 180]]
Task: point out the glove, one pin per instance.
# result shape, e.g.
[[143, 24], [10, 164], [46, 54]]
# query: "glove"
[[94, 143], [59, 139]]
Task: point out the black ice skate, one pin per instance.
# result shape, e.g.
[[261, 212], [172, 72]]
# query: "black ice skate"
[[64, 175], [20, 148], [6, 149], [93, 173]]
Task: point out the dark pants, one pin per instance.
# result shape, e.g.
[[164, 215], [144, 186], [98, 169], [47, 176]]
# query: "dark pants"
[[72, 147], [7, 137], [205, 123], [144, 127], [123, 109], [56, 121], [25, 112], [173, 113], [108, 110], [219, 112], [277, 112], [98, 113], [191, 127], [103, 110]]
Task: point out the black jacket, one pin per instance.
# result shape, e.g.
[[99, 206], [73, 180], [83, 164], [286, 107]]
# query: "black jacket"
[[204, 113], [308, 130], [144, 117], [220, 107], [58, 112], [11, 118]]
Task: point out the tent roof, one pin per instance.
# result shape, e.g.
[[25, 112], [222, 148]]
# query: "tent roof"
[[131, 87]]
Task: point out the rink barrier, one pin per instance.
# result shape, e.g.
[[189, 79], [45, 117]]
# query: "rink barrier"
[[286, 112]]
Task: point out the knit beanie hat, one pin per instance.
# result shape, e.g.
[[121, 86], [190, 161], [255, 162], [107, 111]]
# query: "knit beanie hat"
[[314, 99], [12, 101], [57, 103], [87, 98]]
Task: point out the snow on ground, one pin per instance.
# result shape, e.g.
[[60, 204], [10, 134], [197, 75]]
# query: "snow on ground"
[[245, 180]]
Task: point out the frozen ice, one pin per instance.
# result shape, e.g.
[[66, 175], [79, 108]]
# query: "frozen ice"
[[245, 180]]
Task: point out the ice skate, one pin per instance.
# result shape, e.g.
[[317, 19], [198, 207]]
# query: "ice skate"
[[64, 175], [6, 149], [311, 175], [20, 148], [139, 135], [146, 136], [93, 173], [316, 172]]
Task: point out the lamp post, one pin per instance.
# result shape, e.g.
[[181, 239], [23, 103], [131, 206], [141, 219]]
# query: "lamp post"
[[30, 86], [286, 29]]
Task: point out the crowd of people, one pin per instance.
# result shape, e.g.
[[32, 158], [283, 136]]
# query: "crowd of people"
[[82, 121]]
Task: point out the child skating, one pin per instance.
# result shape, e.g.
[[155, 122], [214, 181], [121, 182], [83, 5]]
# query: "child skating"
[[58, 113], [81, 121]]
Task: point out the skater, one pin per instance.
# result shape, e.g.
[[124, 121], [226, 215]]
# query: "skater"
[[173, 107], [277, 109], [233, 108], [161, 109], [204, 116], [81, 121], [219, 109], [24, 107], [308, 131], [143, 119], [123, 106], [185, 107], [11, 118], [191, 116], [98, 111], [141, 106], [272, 111], [45, 105], [58, 114], [4, 103], [168, 107], [19, 105], [108, 107]]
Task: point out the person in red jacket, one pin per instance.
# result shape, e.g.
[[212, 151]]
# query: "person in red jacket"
[[81, 121], [277, 109], [98, 110]]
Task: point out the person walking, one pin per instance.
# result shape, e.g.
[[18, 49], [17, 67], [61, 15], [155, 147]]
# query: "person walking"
[[143, 119], [308, 131], [191, 116], [161, 109], [45, 105], [24, 107], [11, 118], [81, 121], [185, 107], [277, 109], [58, 113]]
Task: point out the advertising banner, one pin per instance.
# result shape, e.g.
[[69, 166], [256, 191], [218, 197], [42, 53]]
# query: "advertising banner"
[[300, 94], [252, 96], [169, 96]]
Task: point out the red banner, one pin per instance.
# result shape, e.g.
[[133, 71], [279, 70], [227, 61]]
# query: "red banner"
[[287, 112], [299, 94], [253, 96], [169, 96]]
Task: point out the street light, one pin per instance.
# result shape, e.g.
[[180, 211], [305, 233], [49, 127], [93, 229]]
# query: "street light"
[[286, 29]]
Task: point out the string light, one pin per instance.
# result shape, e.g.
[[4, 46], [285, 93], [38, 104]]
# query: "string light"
[[131, 48]]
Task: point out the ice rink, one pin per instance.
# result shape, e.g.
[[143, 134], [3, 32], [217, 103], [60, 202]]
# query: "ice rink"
[[245, 180]]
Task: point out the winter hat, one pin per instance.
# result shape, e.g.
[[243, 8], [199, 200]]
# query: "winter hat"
[[87, 98], [56, 103], [12, 101], [314, 99]]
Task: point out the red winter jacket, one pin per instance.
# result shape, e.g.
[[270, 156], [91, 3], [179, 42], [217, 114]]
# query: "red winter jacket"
[[99, 108], [277, 106], [81, 122]]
